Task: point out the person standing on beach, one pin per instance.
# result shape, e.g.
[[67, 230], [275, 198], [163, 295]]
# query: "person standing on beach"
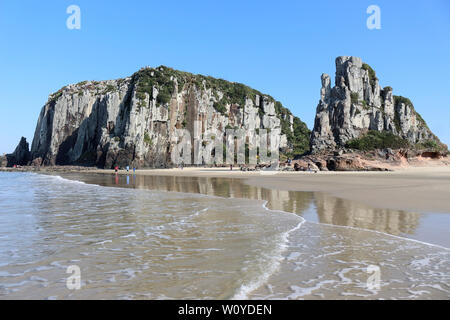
[[128, 168], [116, 169]]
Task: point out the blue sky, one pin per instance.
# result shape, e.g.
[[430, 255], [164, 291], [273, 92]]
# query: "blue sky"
[[278, 47]]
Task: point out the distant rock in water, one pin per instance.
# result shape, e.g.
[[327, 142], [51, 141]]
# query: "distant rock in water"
[[21, 155], [3, 161], [357, 104], [131, 121]]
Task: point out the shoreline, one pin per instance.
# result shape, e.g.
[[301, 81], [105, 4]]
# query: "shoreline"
[[422, 189], [314, 206]]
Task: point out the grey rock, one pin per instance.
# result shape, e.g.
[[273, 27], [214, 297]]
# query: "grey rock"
[[357, 104], [21, 155], [132, 121]]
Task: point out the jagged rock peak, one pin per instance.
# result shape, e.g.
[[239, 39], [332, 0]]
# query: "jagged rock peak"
[[357, 104], [131, 121], [21, 155]]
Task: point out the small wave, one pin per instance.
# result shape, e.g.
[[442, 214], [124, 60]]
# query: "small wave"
[[382, 233], [299, 292], [277, 257], [103, 242], [199, 212], [59, 178], [131, 235]]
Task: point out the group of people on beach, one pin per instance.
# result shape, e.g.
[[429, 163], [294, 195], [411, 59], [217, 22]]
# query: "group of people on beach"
[[297, 167], [116, 169]]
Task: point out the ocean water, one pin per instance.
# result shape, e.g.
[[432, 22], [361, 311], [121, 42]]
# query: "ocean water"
[[194, 238]]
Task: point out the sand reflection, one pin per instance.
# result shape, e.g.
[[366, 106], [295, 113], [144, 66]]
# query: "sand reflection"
[[314, 206]]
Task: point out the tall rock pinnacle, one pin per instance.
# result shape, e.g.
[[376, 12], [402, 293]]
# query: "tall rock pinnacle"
[[357, 104]]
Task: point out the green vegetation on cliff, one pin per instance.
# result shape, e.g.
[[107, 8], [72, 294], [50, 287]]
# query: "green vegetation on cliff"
[[432, 145], [382, 139], [299, 139], [148, 141], [377, 140], [400, 99], [160, 79], [372, 75], [354, 96], [55, 96], [164, 79]]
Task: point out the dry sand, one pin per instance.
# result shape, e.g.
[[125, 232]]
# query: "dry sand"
[[419, 189]]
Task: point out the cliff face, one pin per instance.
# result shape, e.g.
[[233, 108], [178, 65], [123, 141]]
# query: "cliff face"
[[357, 104], [131, 121]]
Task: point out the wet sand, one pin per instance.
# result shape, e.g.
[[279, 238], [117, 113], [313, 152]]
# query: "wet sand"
[[411, 203], [418, 189]]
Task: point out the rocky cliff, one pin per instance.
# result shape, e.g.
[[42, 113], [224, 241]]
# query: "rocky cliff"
[[131, 121], [357, 104]]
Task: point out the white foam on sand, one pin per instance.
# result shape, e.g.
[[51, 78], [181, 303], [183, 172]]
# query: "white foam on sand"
[[276, 257], [59, 178], [299, 292], [383, 233]]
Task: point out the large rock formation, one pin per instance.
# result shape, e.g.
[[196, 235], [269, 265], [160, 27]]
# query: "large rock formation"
[[131, 121], [21, 155], [357, 104]]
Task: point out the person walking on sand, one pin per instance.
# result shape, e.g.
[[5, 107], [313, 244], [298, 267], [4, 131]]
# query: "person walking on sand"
[[116, 169], [128, 169]]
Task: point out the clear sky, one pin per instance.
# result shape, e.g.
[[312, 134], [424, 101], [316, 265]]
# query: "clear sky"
[[278, 47]]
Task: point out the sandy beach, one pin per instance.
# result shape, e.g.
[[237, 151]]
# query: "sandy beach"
[[418, 189]]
